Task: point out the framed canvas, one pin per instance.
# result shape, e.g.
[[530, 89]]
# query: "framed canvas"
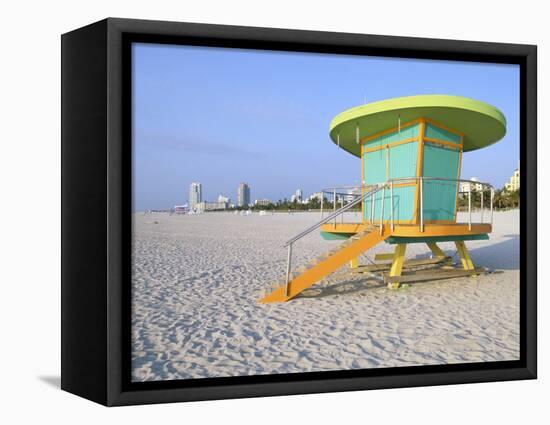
[[253, 212]]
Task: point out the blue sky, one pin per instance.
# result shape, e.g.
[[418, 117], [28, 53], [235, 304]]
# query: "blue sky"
[[225, 116]]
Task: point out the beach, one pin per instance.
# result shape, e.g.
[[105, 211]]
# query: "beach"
[[197, 279]]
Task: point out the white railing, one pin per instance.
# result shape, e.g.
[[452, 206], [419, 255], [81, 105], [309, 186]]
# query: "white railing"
[[473, 186], [357, 201]]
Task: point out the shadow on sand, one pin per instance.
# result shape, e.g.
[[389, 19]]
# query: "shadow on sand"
[[500, 256], [342, 288]]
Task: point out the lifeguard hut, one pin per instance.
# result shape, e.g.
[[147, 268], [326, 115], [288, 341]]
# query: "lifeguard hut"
[[411, 152]]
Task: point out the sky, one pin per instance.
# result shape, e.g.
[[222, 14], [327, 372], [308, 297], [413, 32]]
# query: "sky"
[[224, 116]]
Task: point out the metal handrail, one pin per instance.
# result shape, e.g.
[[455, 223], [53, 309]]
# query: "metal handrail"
[[336, 191], [335, 214], [339, 190], [343, 187], [475, 182], [320, 223], [420, 180]]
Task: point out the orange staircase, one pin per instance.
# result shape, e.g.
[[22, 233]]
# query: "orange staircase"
[[328, 263]]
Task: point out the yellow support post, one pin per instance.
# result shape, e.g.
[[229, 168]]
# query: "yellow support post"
[[436, 251], [464, 255], [397, 264], [354, 263]]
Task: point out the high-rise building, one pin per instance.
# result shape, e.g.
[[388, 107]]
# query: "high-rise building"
[[243, 195], [298, 195], [195, 195], [513, 184]]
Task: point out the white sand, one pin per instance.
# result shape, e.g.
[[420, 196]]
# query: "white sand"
[[197, 280]]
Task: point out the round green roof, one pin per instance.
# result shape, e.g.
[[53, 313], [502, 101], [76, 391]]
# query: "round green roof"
[[481, 123]]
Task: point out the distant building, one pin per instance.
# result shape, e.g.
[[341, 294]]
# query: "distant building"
[[195, 195], [180, 209], [352, 194], [464, 187], [471, 187], [225, 199], [210, 206], [513, 184], [243, 195], [316, 195], [262, 202], [296, 196]]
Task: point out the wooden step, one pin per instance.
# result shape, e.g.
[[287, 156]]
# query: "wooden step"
[[407, 264], [432, 275]]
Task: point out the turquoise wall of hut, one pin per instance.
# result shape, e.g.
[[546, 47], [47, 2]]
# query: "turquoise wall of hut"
[[394, 155], [440, 196]]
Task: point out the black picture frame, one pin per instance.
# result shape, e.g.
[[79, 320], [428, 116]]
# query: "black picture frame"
[[96, 200]]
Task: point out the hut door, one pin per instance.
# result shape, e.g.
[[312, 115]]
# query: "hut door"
[[440, 195]]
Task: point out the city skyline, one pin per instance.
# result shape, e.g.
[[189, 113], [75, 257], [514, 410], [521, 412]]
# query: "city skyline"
[[265, 118], [297, 195], [513, 183]]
